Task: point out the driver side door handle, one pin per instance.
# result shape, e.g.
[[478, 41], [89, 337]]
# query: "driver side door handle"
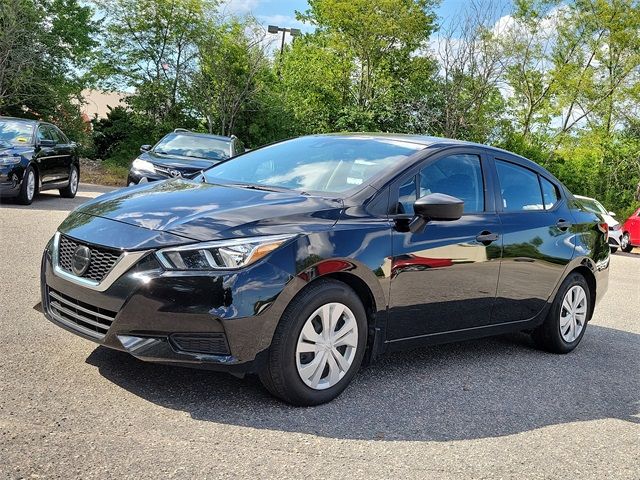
[[486, 237]]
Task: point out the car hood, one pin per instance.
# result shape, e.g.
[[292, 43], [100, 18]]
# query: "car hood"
[[12, 150], [202, 211], [177, 161]]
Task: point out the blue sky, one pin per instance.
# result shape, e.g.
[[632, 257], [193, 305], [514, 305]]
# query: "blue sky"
[[282, 13]]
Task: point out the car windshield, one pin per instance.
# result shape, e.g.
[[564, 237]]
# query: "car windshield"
[[15, 132], [195, 146], [593, 206], [319, 164]]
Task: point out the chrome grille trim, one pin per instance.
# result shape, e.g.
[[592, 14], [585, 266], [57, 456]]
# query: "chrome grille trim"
[[53, 294], [102, 259], [79, 315], [127, 260]]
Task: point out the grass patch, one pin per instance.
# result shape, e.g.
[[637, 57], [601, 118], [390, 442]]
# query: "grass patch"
[[103, 173]]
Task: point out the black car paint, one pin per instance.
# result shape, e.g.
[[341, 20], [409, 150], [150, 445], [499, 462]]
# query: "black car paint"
[[356, 239], [52, 163]]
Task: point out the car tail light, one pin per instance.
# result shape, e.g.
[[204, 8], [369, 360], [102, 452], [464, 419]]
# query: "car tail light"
[[604, 228], [614, 228]]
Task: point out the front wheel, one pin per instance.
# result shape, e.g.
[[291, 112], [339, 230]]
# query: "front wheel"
[[72, 188], [318, 345], [29, 187], [625, 243], [567, 319]]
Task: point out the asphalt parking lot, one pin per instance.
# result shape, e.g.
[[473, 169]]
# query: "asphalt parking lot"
[[493, 408]]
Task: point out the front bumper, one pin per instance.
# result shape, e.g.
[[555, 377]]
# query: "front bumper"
[[10, 180], [614, 237], [219, 321], [137, 176]]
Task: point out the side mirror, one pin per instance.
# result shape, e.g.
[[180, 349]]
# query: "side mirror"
[[145, 148], [438, 206], [47, 143], [612, 214]]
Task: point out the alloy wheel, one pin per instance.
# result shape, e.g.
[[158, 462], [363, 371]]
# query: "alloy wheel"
[[31, 185], [624, 241], [327, 346], [573, 313], [73, 181]]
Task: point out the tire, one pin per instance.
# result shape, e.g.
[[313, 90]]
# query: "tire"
[[614, 249], [286, 365], [625, 243], [554, 334], [28, 187], [72, 188]]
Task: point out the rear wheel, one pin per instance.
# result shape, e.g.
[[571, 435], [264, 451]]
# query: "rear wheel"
[[613, 249], [566, 321], [625, 243], [318, 345], [72, 188], [29, 187]]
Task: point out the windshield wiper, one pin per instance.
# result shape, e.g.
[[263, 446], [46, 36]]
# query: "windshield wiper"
[[253, 186]]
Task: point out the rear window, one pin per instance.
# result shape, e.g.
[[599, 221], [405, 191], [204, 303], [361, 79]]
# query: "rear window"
[[519, 187]]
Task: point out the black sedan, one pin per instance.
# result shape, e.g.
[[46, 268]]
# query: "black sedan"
[[181, 154], [36, 156], [301, 260]]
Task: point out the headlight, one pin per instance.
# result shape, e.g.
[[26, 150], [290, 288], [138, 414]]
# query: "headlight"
[[220, 254], [5, 161], [143, 165]]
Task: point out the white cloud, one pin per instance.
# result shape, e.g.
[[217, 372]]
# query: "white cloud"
[[239, 7]]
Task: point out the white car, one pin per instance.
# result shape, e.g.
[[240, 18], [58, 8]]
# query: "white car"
[[615, 228]]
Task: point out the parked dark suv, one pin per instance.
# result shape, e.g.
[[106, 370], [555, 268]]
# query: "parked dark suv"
[[36, 156], [299, 260], [181, 153]]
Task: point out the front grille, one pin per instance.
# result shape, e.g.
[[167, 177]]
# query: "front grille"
[[102, 259], [166, 171], [91, 320], [211, 343]]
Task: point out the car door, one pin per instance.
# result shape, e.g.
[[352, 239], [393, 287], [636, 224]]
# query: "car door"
[[634, 228], [45, 156], [64, 152], [444, 277], [537, 241]]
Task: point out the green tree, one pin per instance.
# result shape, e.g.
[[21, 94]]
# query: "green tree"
[[232, 66], [150, 47], [45, 48]]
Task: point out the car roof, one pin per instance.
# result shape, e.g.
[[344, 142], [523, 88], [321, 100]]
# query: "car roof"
[[426, 141]]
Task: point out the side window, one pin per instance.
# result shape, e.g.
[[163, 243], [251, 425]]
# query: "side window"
[[550, 193], [54, 135], [407, 196], [62, 138], [456, 175], [519, 187], [44, 133]]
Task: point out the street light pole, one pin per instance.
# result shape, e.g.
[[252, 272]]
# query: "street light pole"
[[294, 32]]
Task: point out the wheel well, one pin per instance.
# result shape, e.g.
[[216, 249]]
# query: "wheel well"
[[36, 170], [591, 281], [368, 301], [362, 290]]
